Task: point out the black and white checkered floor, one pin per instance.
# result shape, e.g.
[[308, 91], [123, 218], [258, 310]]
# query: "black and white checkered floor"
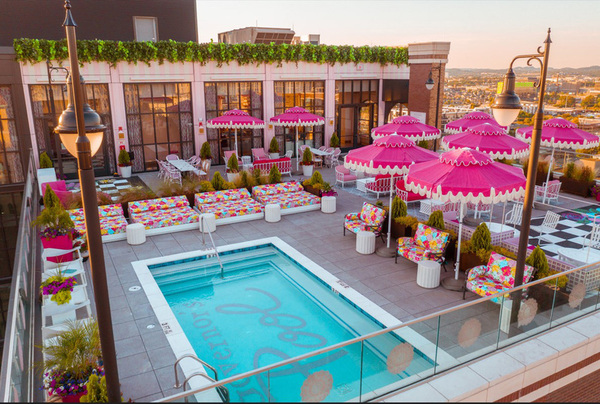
[[113, 186]]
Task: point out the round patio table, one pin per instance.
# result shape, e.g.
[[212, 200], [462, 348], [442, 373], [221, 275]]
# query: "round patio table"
[[578, 256]]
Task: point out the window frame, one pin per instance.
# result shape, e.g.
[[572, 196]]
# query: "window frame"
[[140, 17]]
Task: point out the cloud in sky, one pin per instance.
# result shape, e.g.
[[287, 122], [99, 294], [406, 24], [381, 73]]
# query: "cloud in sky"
[[482, 33]]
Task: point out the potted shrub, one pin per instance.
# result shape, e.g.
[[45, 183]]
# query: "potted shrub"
[[409, 223], [233, 168], [335, 140], [471, 252], [247, 181], [327, 190], [314, 184], [541, 173], [256, 175], [219, 183], [124, 164], [71, 358], [274, 149], [45, 161], [274, 175], [596, 192], [96, 390], [577, 181], [550, 292], [399, 209], [59, 287], [205, 152], [57, 228], [307, 163]]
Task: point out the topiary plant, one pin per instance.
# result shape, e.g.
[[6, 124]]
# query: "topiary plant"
[[481, 238], [274, 175], [335, 140], [232, 164], [246, 180], [307, 157], [538, 260], [424, 144], [205, 152], [96, 390], [569, 170], [205, 186], [399, 208], [408, 221], [256, 175], [316, 178], [217, 181], [436, 219], [274, 146], [45, 161], [124, 160], [586, 175]]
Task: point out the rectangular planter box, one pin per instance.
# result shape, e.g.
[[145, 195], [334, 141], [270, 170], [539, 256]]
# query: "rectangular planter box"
[[576, 187]]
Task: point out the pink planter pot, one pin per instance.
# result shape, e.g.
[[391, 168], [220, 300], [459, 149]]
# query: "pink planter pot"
[[61, 243]]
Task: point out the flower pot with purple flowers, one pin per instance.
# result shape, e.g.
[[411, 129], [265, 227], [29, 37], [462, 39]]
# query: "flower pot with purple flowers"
[[59, 287], [57, 228]]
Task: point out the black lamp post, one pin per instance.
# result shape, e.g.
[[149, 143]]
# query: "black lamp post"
[[73, 124], [429, 86], [506, 109]]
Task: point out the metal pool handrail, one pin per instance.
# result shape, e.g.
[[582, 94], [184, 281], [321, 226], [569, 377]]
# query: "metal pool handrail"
[[212, 241], [339, 345]]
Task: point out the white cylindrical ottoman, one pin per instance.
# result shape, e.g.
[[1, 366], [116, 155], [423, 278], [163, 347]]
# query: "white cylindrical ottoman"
[[365, 242], [272, 212], [428, 274], [207, 223], [136, 233], [328, 204]]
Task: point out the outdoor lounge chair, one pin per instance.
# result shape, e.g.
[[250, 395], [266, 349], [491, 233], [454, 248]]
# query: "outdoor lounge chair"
[[344, 176], [428, 243], [370, 218]]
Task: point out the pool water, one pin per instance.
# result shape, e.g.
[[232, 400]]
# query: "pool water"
[[267, 308]]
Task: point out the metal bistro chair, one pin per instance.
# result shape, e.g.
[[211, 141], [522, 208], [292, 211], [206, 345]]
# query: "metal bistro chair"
[[172, 157], [548, 225], [289, 154], [515, 215], [247, 163]]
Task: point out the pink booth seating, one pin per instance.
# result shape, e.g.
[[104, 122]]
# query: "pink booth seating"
[[259, 154], [284, 165], [381, 185], [232, 205], [290, 196], [60, 189], [343, 175], [112, 221], [174, 211]]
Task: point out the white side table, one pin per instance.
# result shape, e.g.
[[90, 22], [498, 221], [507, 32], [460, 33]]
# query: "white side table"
[[365, 242], [272, 212], [136, 233], [428, 274], [328, 204], [361, 184], [207, 223]]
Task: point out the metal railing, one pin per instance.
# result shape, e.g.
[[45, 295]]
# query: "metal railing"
[[212, 241], [449, 338], [17, 373]]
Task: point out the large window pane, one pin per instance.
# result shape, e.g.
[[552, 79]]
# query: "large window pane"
[[148, 129]]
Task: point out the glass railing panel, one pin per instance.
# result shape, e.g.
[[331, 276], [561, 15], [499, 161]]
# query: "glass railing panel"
[[333, 376], [576, 294]]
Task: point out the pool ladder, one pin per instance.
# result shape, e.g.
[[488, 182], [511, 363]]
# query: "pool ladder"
[[221, 390], [212, 242]]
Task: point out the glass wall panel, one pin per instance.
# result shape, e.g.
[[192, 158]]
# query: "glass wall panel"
[[356, 111], [11, 169]]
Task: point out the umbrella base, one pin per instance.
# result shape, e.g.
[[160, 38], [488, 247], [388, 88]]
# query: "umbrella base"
[[385, 252], [453, 284]]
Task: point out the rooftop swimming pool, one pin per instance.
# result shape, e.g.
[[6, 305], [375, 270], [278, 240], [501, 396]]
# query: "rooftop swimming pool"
[[265, 307]]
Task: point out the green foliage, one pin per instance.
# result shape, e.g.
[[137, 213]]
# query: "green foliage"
[[538, 260], [408, 221], [316, 178], [569, 170], [399, 208], [274, 146], [45, 161], [485, 255], [246, 180], [424, 144], [307, 157], [205, 153], [54, 216], [256, 175], [205, 186], [96, 390], [274, 175], [124, 160], [133, 194], [586, 174], [217, 182], [39, 50], [74, 350], [436, 219], [481, 239], [335, 140], [228, 185], [232, 164]]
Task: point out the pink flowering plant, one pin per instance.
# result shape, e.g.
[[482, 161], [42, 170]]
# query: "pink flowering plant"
[[59, 287], [65, 383]]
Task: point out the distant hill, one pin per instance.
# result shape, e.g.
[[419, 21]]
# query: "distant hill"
[[593, 71]]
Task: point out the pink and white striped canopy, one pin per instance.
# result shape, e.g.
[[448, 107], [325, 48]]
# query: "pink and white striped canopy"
[[409, 127], [387, 155], [471, 119], [489, 139], [235, 119], [297, 116], [561, 134], [466, 175]]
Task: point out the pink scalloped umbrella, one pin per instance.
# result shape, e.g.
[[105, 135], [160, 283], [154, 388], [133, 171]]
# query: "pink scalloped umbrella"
[[235, 119], [489, 139], [296, 117], [558, 133], [466, 175], [409, 127], [388, 155], [471, 119]]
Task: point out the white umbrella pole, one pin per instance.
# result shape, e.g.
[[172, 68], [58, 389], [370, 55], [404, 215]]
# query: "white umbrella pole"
[[390, 214], [503, 217], [491, 214], [460, 225], [297, 151], [236, 147], [548, 175]]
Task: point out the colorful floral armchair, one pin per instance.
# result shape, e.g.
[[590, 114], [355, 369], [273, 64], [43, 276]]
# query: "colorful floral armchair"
[[498, 275], [428, 243], [370, 218]]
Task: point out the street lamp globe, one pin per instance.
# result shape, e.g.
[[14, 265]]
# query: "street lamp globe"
[[429, 83], [507, 105]]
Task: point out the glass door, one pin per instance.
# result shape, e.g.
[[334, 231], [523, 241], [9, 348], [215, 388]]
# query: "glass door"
[[363, 133], [354, 125], [347, 127]]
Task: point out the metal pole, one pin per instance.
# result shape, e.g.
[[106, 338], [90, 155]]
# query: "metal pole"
[[53, 108], [437, 103], [92, 220], [548, 175], [390, 213], [460, 226], [536, 137]]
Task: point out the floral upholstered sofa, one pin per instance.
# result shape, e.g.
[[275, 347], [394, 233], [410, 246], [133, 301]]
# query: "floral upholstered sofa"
[[370, 218], [291, 196], [232, 205], [498, 275], [112, 222], [428, 243], [164, 215]]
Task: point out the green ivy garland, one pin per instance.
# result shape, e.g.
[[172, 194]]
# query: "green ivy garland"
[[38, 50]]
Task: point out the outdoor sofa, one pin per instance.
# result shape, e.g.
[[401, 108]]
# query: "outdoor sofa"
[[290, 196], [164, 215], [112, 222], [229, 206]]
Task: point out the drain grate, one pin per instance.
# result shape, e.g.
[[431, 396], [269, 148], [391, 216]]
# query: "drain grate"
[[135, 288]]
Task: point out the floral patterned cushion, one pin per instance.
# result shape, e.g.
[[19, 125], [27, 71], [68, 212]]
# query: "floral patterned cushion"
[[112, 220], [430, 238], [479, 282], [164, 218], [409, 249], [220, 196], [103, 211], [372, 215], [232, 208], [353, 223], [151, 205], [290, 199], [271, 189], [502, 269]]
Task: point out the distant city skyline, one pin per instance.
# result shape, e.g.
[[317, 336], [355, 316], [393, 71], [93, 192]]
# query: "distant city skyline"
[[483, 34]]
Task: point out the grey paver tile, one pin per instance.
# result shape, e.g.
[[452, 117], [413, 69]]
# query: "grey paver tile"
[[134, 365], [129, 346], [139, 385]]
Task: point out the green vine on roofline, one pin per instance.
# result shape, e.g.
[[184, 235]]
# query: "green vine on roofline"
[[39, 50]]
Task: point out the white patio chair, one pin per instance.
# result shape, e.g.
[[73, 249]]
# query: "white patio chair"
[[59, 313], [594, 237], [66, 268], [480, 208], [335, 157], [344, 176], [247, 163], [289, 154], [548, 225], [551, 194], [172, 174], [172, 157], [515, 215]]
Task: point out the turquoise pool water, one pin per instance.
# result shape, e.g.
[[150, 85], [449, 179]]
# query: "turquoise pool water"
[[268, 308]]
